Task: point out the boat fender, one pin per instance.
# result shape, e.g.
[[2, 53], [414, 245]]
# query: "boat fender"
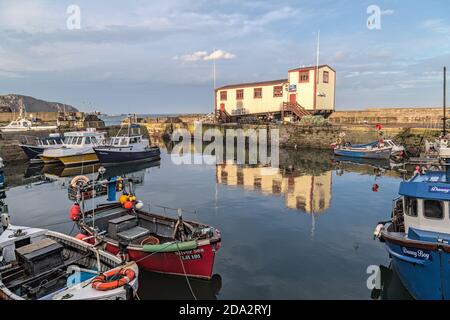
[[79, 180], [75, 212], [139, 205], [377, 231], [113, 279]]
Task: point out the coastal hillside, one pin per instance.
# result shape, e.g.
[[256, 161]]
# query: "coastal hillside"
[[12, 102]]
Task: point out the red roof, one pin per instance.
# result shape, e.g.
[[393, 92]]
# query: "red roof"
[[253, 84], [311, 68]]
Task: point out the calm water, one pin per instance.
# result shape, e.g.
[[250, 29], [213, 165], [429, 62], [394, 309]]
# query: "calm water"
[[301, 232]]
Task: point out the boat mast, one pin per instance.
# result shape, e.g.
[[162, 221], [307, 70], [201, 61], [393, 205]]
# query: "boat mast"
[[445, 100]]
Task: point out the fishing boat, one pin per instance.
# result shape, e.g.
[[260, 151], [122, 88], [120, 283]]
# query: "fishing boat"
[[35, 146], [23, 124], [76, 150], [156, 242], [38, 264], [417, 236], [127, 148], [366, 151]]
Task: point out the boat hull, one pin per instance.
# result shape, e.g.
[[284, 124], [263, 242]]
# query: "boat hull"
[[196, 263], [72, 159], [116, 156], [423, 268], [43, 128], [366, 154], [32, 152]]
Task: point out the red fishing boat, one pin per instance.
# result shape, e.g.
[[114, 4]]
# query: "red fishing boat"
[[156, 242]]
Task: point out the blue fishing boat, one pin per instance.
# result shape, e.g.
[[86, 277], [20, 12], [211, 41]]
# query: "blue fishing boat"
[[417, 237], [129, 147], [368, 151]]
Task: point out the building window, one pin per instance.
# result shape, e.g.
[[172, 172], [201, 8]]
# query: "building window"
[[240, 94], [257, 93], [411, 207], [223, 95], [278, 91], [325, 76], [303, 76], [433, 209]]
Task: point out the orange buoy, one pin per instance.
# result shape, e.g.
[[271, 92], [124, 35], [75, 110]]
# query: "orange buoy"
[[128, 205], [113, 279], [75, 212], [123, 198]]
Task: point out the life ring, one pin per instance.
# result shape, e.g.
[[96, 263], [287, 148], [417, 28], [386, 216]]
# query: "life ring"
[[113, 279], [75, 180]]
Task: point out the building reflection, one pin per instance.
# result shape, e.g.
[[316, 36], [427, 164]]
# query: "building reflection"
[[310, 193]]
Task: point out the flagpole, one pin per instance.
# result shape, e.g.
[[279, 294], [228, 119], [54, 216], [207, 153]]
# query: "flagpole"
[[317, 56]]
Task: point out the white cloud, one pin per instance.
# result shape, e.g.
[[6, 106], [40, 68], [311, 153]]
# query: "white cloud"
[[204, 55], [387, 12], [220, 54], [436, 25], [198, 55]]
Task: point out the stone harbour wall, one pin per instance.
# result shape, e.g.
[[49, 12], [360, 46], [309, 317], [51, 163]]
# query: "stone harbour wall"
[[422, 117]]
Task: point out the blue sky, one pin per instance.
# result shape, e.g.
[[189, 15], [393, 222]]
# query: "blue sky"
[[155, 56]]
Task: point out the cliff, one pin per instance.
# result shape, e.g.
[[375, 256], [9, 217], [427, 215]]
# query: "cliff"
[[12, 102]]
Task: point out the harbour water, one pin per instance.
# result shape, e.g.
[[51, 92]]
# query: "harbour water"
[[303, 231]]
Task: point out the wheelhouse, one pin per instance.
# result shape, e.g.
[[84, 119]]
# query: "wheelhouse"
[[124, 141], [81, 139], [19, 124], [424, 203]]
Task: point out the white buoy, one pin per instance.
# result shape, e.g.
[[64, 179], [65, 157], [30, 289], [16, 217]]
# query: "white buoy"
[[139, 205]]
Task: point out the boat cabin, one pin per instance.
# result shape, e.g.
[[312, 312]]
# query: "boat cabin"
[[51, 140], [124, 141], [83, 138], [19, 124], [424, 202]]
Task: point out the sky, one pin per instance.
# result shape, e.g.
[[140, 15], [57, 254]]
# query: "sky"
[[157, 56]]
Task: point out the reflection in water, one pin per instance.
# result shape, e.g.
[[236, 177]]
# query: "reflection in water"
[[309, 193], [173, 287], [391, 286]]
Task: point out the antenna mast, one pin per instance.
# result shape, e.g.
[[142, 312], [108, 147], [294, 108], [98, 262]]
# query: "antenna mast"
[[444, 131]]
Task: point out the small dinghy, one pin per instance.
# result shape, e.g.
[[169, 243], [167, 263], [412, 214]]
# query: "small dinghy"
[[156, 242], [38, 264], [368, 151]]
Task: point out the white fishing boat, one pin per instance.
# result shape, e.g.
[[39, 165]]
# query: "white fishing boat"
[[38, 264], [23, 124], [77, 148]]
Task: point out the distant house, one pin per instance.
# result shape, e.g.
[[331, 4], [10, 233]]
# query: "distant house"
[[307, 90]]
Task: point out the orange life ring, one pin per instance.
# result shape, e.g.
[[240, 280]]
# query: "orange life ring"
[[120, 278]]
